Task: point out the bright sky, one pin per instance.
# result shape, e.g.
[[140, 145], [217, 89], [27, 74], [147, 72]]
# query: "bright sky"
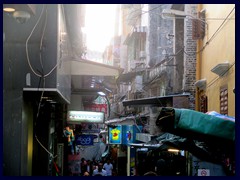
[[99, 25]]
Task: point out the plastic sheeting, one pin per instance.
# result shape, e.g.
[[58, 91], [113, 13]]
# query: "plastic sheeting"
[[194, 124], [205, 124]]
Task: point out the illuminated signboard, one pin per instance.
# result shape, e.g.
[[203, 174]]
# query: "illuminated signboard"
[[115, 135], [77, 117], [129, 133]]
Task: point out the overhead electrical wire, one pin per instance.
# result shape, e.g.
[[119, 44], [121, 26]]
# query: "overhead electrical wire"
[[41, 74], [27, 54]]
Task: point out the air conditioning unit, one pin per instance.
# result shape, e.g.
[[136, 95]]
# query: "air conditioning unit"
[[201, 84], [220, 69]]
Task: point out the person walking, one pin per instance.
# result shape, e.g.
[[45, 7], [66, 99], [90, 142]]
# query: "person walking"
[[108, 167], [89, 167], [99, 171], [86, 174], [83, 166]]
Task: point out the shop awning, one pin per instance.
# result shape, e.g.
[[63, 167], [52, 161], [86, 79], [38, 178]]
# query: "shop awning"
[[201, 134], [194, 124]]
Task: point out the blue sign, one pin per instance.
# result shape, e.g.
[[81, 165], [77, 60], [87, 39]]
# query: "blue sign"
[[115, 134], [129, 133], [84, 140]]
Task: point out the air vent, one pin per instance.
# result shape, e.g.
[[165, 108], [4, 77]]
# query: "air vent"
[[220, 69]]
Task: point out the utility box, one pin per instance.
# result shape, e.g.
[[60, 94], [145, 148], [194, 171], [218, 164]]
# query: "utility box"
[[42, 46]]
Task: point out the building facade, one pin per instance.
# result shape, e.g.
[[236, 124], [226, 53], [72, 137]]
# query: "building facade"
[[216, 60]]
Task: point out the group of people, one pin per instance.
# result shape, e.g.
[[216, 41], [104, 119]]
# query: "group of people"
[[94, 168]]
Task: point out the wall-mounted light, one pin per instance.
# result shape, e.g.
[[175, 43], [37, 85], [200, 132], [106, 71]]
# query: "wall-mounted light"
[[101, 93], [173, 150], [9, 9], [20, 12], [21, 16]]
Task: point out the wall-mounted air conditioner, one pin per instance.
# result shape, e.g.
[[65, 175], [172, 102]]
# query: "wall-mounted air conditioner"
[[221, 69], [201, 84]]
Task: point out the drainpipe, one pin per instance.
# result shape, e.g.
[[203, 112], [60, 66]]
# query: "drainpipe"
[[198, 66]]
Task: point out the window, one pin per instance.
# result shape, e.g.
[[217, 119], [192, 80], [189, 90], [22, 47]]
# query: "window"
[[203, 104], [224, 100]]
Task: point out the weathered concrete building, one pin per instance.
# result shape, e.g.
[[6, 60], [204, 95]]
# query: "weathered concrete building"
[[157, 48]]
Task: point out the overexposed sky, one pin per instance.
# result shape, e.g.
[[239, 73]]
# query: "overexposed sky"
[[99, 25]]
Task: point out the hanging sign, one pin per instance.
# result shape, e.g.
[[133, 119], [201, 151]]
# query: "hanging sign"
[[97, 108], [78, 117], [115, 134], [129, 133], [84, 140]]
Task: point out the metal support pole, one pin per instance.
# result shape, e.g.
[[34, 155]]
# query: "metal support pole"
[[128, 160]]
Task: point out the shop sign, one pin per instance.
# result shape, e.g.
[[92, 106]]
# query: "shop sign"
[[129, 133], [115, 134], [97, 108], [78, 117], [84, 140]]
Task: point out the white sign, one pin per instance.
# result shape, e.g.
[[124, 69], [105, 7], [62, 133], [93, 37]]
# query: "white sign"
[[77, 117], [203, 172]]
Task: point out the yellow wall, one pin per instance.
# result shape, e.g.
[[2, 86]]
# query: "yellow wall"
[[220, 49]]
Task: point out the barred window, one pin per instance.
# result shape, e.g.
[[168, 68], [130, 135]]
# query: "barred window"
[[203, 104], [224, 100]]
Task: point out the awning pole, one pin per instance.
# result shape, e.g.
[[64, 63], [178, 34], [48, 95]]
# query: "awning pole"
[[128, 160]]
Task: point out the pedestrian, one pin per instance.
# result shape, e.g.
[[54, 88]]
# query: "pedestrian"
[[89, 167], [83, 166], [108, 167], [99, 171], [161, 167], [86, 174]]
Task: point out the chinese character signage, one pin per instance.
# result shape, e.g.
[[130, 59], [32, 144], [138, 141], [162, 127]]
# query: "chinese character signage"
[[97, 108], [115, 135]]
